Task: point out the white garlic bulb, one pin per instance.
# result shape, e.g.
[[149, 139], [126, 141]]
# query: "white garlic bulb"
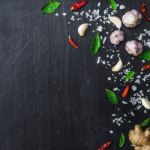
[[132, 18], [116, 37], [134, 47]]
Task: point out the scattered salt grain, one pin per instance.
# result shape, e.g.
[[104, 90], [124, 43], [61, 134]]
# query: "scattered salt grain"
[[122, 7], [134, 88], [64, 14], [111, 131], [99, 28], [56, 14]]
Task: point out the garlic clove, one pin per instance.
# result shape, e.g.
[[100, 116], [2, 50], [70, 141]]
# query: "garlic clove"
[[82, 29], [118, 66], [145, 103], [116, 21]]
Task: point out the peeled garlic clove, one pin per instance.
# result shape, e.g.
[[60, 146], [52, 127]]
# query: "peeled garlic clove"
[[82, 29], [118, 66], [145, 103], [116, 21]]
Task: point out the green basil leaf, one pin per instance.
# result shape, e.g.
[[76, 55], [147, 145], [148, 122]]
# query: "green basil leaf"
[[122, 140], [111, 97], [130, 75], [96, 44], [145, 55], [113, 4], [145, 122], [51, 7]]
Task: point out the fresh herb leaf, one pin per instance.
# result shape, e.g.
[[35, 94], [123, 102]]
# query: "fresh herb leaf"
[[51, 7], [113, 4], [96, 44], [121, 140], [111, 97], [145, 122], [130, 75], [145, 55]]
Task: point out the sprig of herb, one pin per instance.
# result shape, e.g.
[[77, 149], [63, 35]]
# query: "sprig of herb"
[[122, 140], [51, 7], [130, 75], [145, 55], [111, 97], [113, 4], [145, 122], [96, 44]]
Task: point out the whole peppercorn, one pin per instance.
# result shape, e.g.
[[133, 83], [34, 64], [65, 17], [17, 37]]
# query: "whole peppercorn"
[[116, 37], [132, 18], [134, 47]]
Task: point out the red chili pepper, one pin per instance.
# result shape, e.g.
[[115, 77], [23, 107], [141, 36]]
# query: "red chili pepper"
[[105, 146], [146, 67], [77, 5], [72, 42], [144, 11], [126, 91]]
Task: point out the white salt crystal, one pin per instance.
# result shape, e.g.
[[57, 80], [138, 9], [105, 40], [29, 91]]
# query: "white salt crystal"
[[56, 14], [111, 131], [122, 7], [64, 14], [99, 28], [134, 88]]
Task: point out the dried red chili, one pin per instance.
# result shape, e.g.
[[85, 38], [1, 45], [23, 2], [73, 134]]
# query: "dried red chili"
[[144, 11], [72, 42], [146, 67], [126, 91], [105, 146], [77, 5]]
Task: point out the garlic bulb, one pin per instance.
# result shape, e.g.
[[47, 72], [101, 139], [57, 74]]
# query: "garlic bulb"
[[118, 66], [116, 21], [132, 18], [82, 29], [116, 37], [145, 103], [134, 47]]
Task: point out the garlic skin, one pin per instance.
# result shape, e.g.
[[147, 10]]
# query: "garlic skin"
[[116, 37], [116, 21], [82, 29], [118, 66], [134, 47], [132, 18], [145, 103]]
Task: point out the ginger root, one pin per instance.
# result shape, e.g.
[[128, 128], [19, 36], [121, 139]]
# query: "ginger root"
[[140, 139]]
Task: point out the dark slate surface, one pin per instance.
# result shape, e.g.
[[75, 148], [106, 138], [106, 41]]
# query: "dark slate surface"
[[51, 96]]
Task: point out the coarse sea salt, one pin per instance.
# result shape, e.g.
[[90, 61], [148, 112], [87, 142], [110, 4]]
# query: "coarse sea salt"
[[98, 20], [122, 7]]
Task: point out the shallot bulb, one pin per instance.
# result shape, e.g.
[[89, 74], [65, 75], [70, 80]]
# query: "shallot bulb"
[[132, 18], [116, 37], [134, 47]]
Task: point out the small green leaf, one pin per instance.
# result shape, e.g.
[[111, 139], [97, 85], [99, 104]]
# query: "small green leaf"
[[111, 97], [130, 75], [51, 7], [145, 55], [113, 4], [122, 140], [96, 44], [145, 122]]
